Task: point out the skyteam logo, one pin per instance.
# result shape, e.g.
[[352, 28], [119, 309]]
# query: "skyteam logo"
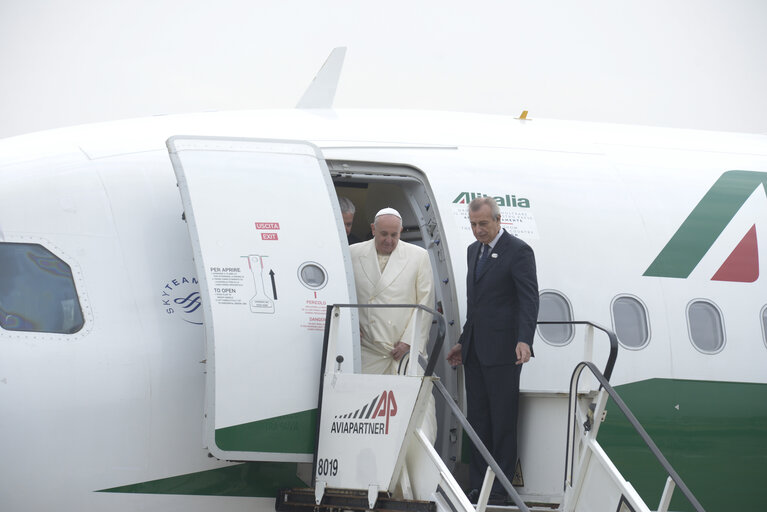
[[372, 418], [703, 226], [181, 298]]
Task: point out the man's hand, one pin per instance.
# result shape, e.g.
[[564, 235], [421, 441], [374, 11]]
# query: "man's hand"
[[523, 352], [454, 355], [399, 350]]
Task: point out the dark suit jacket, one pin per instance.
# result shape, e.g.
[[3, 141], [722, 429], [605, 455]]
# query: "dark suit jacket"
[[502, 303]]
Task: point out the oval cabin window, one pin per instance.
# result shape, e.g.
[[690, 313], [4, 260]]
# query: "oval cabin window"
[[764, 324], [706, 327], [554, 307], [630, 322]]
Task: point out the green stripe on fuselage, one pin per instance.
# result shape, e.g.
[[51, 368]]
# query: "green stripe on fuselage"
[[291, 433], [705, 223], [251, 479], [716, 440]]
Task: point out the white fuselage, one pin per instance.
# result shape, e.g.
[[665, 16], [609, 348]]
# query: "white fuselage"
[[122, 400]]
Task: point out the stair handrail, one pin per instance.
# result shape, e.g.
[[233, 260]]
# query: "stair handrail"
[[330, 308], [474, 438], [571, 421], [436, 349], [611, 336], [499, 474]]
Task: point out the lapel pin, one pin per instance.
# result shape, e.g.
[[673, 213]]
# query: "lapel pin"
[[493, 255]]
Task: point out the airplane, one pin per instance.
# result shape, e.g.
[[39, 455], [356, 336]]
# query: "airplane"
[[164, 285]]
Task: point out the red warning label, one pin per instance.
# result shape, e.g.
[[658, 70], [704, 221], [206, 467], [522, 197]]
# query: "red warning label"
[[268, 225], [268, 236]]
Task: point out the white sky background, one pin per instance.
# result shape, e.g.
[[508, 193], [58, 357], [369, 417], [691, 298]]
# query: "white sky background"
[[680, 63]]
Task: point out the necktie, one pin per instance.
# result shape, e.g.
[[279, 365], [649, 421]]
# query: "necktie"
[[482, 258]]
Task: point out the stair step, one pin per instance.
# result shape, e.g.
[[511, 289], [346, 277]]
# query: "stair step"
[[532, 507]]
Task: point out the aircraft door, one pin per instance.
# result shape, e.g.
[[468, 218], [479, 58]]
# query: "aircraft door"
[[270, 253]]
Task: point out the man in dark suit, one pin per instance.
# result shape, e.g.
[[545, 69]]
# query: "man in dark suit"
[[347, 213], [502, 310]]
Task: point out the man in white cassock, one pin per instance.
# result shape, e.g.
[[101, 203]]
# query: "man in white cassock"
[[389, 271]]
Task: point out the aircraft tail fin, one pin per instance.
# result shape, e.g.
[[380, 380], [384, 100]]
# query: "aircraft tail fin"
[[322, 90]]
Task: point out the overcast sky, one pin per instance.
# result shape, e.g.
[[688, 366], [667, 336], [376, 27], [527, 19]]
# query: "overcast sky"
[[681, 63]]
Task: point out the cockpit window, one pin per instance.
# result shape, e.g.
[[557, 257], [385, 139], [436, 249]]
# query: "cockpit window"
[[37, 291]]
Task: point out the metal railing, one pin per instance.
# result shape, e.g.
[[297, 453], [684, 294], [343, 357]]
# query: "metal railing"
[[441, 330], [481, 447], [474, 438], [331, 308], [572, 425], [611, 336], [602, 378]]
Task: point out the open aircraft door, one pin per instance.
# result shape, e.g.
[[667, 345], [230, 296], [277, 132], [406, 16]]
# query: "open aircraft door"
[[270, 253]]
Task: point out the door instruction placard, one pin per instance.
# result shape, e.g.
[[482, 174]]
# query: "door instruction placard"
[[314, 315], [227, 285]]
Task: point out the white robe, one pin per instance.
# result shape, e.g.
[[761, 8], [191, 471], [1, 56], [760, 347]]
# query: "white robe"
[[406, 279]]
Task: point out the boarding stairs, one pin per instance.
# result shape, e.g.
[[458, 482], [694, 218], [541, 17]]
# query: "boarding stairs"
[[373, 452]]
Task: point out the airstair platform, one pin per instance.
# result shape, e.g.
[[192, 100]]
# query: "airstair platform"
[[373, 452]]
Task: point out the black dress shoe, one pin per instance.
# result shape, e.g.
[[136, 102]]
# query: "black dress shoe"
[[473, 496]]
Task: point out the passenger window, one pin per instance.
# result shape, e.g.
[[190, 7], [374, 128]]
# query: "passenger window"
[[37, 291], [764, 324], [554, 307], [706, 327], [630, 322]]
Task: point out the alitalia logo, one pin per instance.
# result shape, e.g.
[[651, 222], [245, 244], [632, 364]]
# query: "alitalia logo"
[[703, 226], [372, 418], [505, 200]]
